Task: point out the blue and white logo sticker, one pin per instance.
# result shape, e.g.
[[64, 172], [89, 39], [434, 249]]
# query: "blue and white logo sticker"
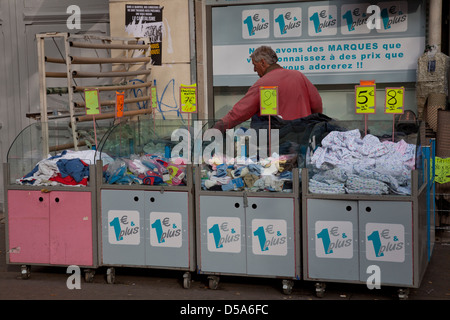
[[224, 234], [269, 237], [354, 18], [385, 242], [334, 239], [322, 21], [123, 227], [287, 22], [255, 24], [166, 229], [394, 16]]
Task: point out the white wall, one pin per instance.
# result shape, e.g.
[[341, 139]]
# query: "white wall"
[[177, 58]]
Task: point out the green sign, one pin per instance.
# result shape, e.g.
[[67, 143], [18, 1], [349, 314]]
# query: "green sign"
[[92, 102], [269, 101], [442, 172]]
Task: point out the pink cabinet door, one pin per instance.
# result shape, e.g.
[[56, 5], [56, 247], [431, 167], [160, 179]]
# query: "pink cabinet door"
[[71, 228], [28, 226]]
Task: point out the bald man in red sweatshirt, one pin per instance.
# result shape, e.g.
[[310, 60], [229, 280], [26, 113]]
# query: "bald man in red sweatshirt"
[[297, 96]]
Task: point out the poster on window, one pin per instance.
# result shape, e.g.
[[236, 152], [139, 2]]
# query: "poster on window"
[[146, 21]]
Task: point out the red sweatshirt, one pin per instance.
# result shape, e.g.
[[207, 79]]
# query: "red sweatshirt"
[[297, 97]]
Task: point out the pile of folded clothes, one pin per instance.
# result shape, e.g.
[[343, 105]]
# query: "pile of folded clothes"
[[67, 168], [147, 169], [270, 174], [347, 163]]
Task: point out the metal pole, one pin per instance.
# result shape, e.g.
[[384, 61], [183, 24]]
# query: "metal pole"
[[435, 23]]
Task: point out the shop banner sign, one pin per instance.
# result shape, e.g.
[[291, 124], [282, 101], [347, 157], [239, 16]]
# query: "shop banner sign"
[[330, 42]]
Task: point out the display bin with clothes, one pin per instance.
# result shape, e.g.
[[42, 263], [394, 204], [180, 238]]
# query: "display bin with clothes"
[[247, 191], [146, 198], [368, 206], [50, 202]]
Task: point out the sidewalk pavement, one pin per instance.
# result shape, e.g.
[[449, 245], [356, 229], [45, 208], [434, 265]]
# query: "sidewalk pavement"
[[50, 283]]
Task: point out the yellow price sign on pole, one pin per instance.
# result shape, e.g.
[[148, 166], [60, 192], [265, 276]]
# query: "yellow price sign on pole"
[[269, 101], [92, 101], [395, 98], [188, 99], [442, 171], [154, 97], [365, 99]]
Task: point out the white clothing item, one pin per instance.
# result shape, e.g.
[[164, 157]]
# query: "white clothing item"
[[389, 163]]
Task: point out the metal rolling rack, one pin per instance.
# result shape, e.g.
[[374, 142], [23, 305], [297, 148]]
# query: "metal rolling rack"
[[107, 64]]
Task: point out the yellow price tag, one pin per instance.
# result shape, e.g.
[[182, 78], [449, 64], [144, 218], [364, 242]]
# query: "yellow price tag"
[[269, 101], [395, 98], [188, 99], [92, 101], [154, 97], [365, 99], [442, 171]]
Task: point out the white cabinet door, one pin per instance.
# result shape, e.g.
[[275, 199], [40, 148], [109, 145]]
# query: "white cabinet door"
[[332, 239], [386, 234], [222, 234], [271, 245]]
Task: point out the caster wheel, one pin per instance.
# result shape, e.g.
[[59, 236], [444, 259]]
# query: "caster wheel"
[[187, 280], [287, 286], [89, 275], [25, 272], [213, 282], [403, 294], [110, 275], [320, 290]]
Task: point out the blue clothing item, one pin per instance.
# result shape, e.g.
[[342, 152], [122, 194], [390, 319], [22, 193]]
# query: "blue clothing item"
[[74, 168], [227, 187], [36, 168], [286, 175], [117, 175], [233, 184], [238, 183], [255, 169], [32, 172], [238, 171], [221, 170]]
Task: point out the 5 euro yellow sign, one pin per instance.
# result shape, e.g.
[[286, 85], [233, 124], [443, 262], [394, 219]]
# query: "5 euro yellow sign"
[[365, 99]]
